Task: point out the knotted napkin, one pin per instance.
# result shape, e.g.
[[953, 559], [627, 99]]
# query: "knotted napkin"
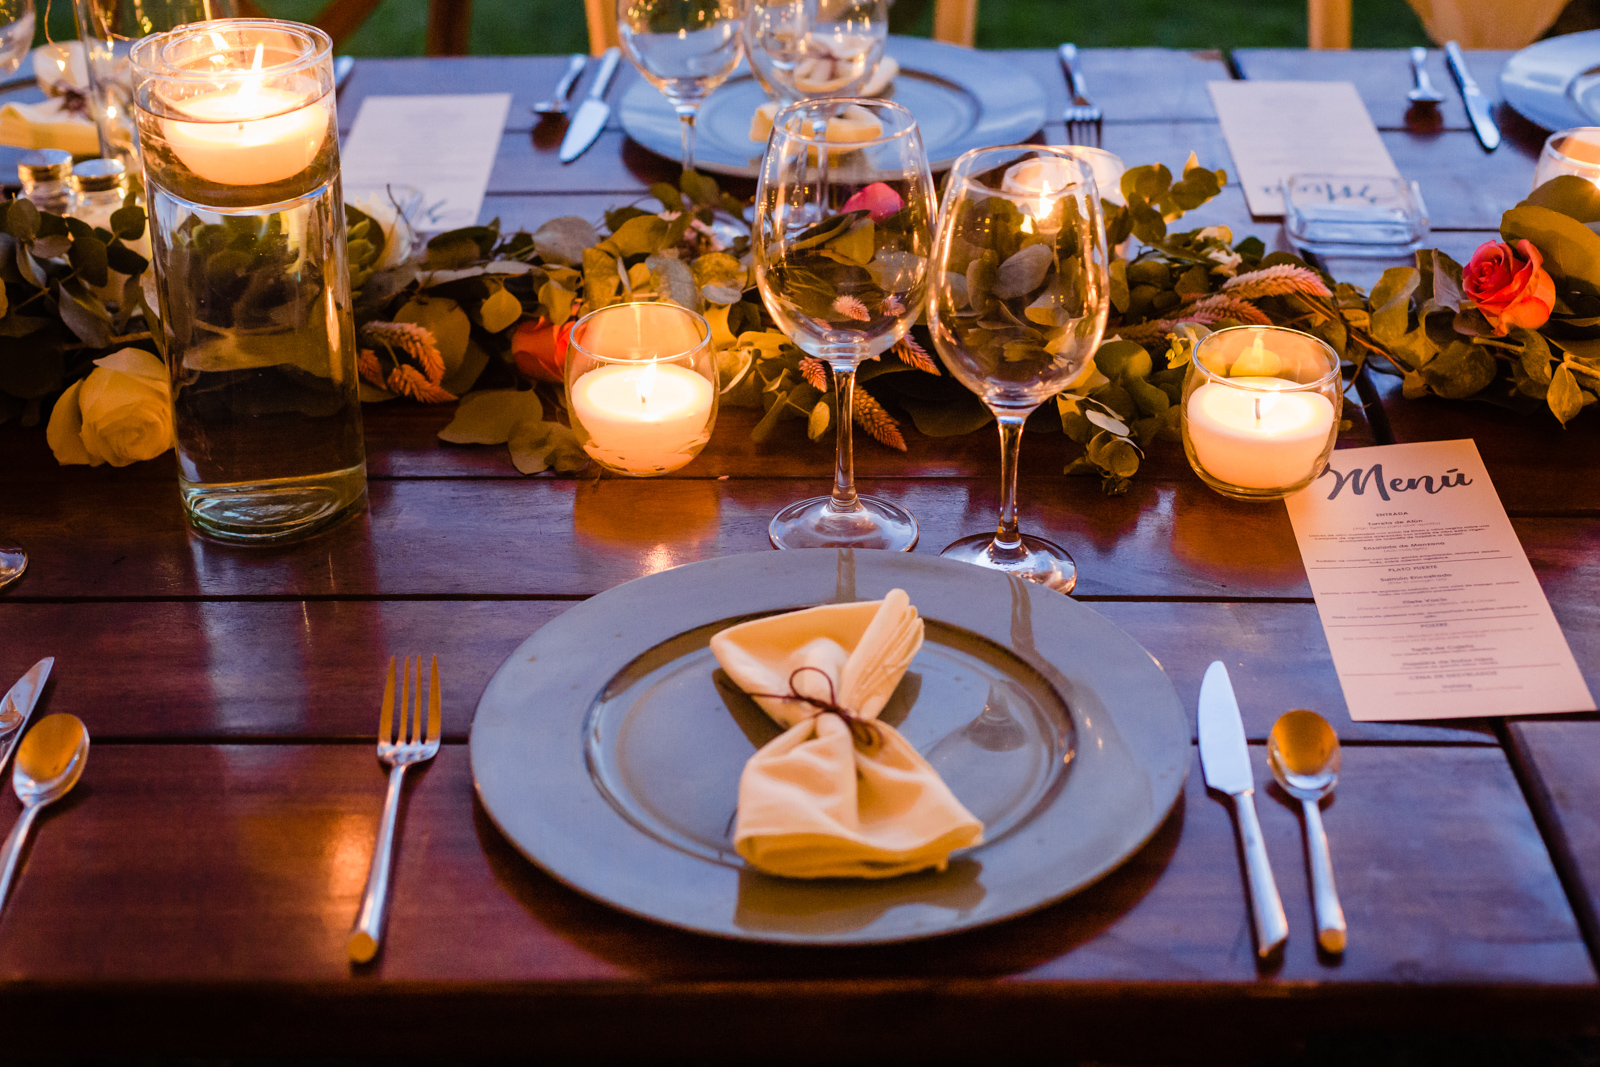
[[63, 120], [838, 794]]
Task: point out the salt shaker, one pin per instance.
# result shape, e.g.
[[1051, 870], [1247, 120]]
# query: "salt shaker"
[[45, 175]]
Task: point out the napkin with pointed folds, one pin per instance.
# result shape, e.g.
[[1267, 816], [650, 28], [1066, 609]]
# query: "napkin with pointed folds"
[[839, 794]]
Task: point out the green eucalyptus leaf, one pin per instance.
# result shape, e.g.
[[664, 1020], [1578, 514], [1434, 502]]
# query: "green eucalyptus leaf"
[[500, 311], [1570, 249], [1121, 359], [1391, 303], [700, 189], [489, 416], [960, 415], [856, 244], [1459, 371], [449, 325], [1572, 196], [1113, 454], [1023, 272], [538, 445], [84, 315], [639, 236], [600, 279], [88, 257], [719, 268], [128, 222], [672, 280], [563, 240], [1565, 398], [668, 195], [22, 220]]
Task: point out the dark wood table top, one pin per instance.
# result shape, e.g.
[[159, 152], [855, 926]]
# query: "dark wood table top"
[[197, 888]]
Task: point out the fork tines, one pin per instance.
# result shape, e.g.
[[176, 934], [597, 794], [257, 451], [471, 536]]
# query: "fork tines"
[[1082, 115]]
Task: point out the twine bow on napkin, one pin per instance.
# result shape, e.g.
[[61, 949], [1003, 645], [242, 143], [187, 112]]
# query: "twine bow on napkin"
[[839, 793]]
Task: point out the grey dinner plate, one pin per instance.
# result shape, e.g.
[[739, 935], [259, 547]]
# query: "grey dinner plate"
[[608, 747], [962, 99], [1556, 82]]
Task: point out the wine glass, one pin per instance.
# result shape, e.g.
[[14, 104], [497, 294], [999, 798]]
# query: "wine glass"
[[1017, 306], [685, 48], [16, 33], [841, 239], [804, 49]]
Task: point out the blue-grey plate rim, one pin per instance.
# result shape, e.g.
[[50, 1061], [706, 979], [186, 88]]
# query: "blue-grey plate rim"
[[1537, 80], [1012, 105], [527, 750]]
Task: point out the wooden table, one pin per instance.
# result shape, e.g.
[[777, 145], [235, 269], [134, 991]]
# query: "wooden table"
[[193, 895]]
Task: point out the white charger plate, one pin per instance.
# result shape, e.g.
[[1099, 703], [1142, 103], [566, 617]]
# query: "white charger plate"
[[1556, 82]]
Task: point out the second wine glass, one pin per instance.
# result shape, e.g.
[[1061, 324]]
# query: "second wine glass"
[[685, 48], [842, 235], [1017, 309]]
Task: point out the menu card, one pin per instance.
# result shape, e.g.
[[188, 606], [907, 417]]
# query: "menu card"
[[1279, 129], [443, 146], [1428, 601]]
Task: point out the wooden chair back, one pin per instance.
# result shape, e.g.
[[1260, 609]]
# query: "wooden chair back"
[[954, 21], [1328, 23]]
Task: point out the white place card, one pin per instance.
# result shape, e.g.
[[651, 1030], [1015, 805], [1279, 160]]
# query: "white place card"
[[443, 146], [1430, 606], [1278, 129]]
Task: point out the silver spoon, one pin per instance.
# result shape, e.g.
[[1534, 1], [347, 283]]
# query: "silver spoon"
[[13, 561], [1424, 92], [49, 762], [1303, 751], [557, 104]]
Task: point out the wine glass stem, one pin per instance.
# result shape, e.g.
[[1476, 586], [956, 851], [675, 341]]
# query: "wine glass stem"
[[1008, 539], [844, 466], [686, 116]]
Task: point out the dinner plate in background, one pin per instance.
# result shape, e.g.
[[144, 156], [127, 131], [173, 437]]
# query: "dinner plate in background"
[[1556, 82], [608, 747], [962, 99]]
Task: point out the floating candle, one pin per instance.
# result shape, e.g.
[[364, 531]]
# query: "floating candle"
[[1251, 432]]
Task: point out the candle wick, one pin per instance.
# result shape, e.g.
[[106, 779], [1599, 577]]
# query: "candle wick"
[[1258, 411]]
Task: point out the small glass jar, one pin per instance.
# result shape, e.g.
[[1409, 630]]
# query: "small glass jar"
[[99, 187], [1575, 151], [1261, 410], [642, 387], [45, 175]]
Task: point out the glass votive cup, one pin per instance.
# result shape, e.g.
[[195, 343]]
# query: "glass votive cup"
[[1575, 151], [1261, 410], [641, 383]]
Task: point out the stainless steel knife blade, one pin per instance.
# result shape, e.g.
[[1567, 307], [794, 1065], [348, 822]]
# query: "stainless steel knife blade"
[[1226, 760], [1223, 752], [18, 706], [593, 112], [1478, 109]]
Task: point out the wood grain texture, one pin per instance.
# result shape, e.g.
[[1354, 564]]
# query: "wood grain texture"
[[1382, 77], [1560, 763], [312, 670], [269, 848]]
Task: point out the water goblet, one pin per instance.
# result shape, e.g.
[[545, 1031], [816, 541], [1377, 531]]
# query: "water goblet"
[[16, 33], [685, 48], [805, 49], [1016, 306], [841, 239]]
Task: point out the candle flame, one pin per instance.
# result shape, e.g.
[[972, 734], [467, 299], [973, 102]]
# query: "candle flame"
[[647, 385]]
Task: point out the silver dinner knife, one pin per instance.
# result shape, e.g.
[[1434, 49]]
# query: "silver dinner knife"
[[1226, 760], [18, 706], [1477, 104], [593, 112]]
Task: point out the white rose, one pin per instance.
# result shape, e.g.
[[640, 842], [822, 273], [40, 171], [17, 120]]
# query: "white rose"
[[398, 236], [120, 414]]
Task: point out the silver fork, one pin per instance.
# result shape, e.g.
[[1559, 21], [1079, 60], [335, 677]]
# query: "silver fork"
[[1082, 115], [397, 751], [559, 100]]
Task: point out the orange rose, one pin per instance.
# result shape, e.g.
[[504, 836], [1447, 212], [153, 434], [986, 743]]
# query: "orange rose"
[[1510, 291], [539, 348]]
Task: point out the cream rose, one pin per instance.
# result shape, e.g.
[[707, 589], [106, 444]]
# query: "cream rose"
[[393, 225], [120, 414]]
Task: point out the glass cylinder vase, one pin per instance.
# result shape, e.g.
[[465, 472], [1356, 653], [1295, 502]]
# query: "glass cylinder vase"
[[241, 162], [108, 30], [642, 387], [1261, 410]]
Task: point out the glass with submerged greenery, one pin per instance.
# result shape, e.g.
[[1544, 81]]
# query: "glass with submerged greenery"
[[841, 240], [1016, 307], [241, 162]]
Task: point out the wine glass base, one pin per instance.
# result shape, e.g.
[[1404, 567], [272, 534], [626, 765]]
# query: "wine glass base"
[[1040, 561], [13, 561], [816, 523]]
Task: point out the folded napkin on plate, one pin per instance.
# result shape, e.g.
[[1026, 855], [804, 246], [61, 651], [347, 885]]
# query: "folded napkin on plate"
[[838, 794], [49, 124]]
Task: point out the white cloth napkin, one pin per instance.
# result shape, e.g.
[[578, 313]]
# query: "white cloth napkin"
[[824, 800], [48, 124]]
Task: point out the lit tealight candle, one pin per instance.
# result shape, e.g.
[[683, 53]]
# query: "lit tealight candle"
[[642, 416], [650, 418], [1250, 432], [251, 135]]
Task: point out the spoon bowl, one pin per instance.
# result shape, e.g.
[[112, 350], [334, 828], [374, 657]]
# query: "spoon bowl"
[[13, 561], [49, 763], [1303, 752]]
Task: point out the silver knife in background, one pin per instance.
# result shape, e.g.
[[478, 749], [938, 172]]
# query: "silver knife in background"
[[593, 112], [342, 66], [1226, 760], [18, 706], [1477, 104]]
